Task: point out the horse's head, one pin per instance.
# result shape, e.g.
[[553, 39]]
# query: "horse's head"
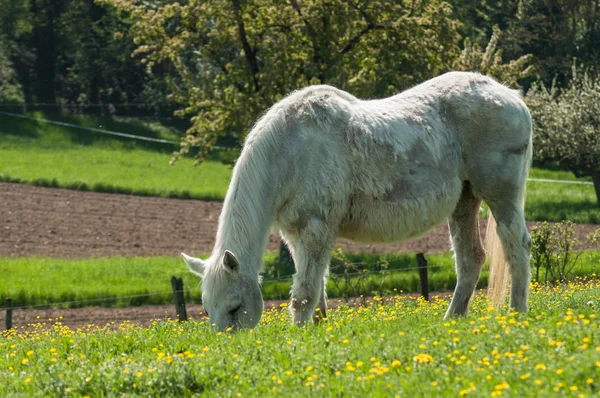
[[231, 299]]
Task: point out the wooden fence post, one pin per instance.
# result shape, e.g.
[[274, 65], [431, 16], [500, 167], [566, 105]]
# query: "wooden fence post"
[[8, 306], [177, 284], [422, 267]]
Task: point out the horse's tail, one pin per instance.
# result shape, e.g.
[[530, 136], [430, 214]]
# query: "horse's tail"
[[499, 267]]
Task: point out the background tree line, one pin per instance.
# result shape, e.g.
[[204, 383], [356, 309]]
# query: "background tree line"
[[223, 62]]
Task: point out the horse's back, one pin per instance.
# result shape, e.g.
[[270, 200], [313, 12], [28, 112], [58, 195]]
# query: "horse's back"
[[390, 169]]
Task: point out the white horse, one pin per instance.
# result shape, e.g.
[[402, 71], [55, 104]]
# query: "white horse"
[[322, 163]]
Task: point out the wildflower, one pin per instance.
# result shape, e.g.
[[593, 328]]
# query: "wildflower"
[[423, 358], [501, 386]]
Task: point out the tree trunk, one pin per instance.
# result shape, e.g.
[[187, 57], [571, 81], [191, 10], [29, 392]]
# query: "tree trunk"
[[596, 179]]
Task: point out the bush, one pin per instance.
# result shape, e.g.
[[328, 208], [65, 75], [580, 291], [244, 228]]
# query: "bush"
[[553, 251]]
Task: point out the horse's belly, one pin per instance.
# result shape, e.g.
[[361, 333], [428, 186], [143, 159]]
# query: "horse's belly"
[[396, 219]]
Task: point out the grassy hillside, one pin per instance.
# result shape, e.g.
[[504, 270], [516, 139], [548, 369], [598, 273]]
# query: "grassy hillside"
[[39, 153], [58, 156]]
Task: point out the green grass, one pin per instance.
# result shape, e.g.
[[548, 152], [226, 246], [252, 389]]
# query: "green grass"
[[396, 348], [55, 156], [558, 202], [80, 283]]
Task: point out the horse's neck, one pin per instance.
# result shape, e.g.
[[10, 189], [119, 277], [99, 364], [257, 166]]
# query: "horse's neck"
[[247, 213]]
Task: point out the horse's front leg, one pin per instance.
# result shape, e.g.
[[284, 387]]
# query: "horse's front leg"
[[312, 253]]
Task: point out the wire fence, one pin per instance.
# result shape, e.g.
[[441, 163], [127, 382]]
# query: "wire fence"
[[102, 131], [77, 303]]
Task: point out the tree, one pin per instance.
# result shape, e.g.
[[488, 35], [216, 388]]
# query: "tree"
[[567, 124], [553, 31], [15, 50], [11, 91], [229, 60], [473, 58]]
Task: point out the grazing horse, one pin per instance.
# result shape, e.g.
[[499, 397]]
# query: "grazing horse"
[[322, 163]]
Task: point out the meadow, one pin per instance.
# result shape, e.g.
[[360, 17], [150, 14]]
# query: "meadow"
[[79, 159], [394, 347]]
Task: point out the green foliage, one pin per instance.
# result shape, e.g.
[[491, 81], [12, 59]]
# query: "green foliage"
[[553, 31], [489, 62], [385, 348], [232, 60], [10, 89], [553, 251]]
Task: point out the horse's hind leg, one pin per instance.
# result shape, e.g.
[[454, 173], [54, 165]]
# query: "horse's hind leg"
[[468, 250], [311, 250]]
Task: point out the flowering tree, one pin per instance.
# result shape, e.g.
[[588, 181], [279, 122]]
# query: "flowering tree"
[[567, 124]]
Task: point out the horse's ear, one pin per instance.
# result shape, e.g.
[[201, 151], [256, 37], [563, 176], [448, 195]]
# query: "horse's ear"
[[230, 262], [195, 264]]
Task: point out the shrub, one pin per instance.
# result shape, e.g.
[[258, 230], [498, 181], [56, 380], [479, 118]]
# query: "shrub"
[[553, 251]]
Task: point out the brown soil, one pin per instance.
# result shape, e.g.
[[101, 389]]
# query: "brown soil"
[[62, 223]]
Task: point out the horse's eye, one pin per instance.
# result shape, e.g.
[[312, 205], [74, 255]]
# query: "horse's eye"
[[236, 309]]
